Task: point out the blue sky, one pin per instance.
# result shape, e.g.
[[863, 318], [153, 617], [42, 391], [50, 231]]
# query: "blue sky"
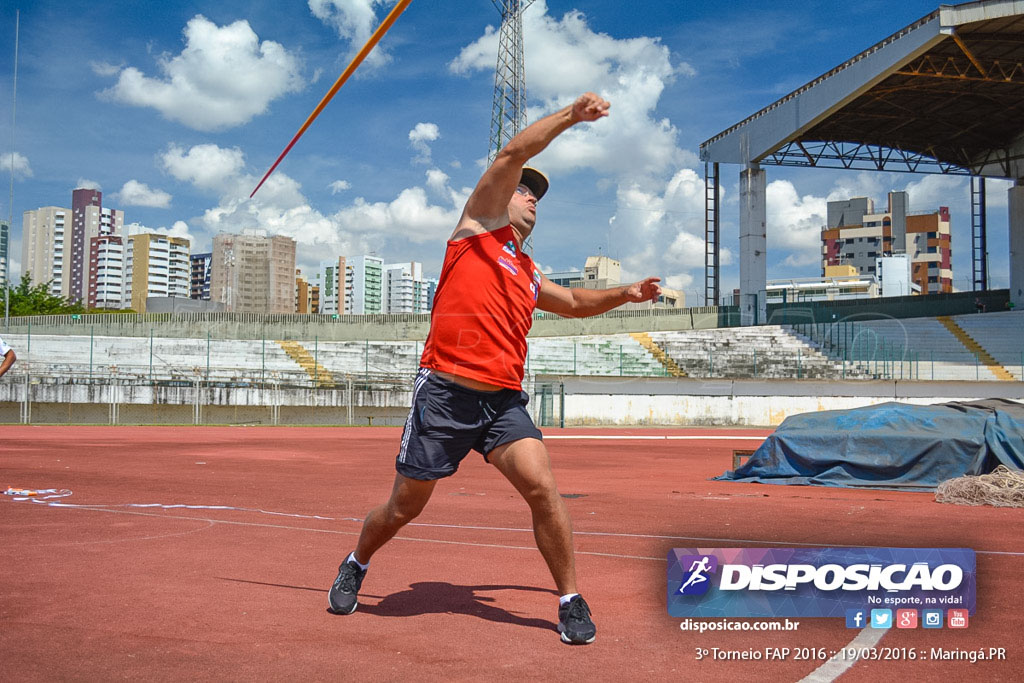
[[175, 110]]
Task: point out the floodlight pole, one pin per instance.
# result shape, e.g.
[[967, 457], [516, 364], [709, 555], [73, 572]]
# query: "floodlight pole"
[[10, 207], [508, 111]]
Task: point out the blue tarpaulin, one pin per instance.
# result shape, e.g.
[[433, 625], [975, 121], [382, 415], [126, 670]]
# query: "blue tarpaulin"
[[891, 445]]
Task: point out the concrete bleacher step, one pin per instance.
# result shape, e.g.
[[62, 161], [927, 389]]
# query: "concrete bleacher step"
[[999, 333], [975, 348], [320, 375]]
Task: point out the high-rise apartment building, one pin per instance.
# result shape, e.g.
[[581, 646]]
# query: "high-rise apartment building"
[[307, 295], [253, 273], [200, 279], [857, 235], [106, 272], [5, 260], [331, 279], [155, 265], [86, 205], [364, 275], [404, 289], [431, 283], [43, 234], [930, 247], [5, 253], [89, 219]]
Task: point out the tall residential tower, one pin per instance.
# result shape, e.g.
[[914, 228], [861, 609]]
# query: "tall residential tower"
[[253, 273], [857, 235]]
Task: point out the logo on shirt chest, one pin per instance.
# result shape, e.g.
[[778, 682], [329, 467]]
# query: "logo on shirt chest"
[[508, 265]]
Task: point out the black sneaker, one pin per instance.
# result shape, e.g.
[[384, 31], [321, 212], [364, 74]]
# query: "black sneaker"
[[574, 622], [342, 596]]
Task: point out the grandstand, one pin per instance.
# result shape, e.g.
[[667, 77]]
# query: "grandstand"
[[768, 352], [960, 347], [153, 358], [973, 347], [720, 375], [166, 358]]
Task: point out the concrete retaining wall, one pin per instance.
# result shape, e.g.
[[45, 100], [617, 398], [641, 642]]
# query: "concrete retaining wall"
[[101, 403], [587, 401], [680, 402]]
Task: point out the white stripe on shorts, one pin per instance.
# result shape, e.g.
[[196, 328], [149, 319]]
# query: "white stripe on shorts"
[[421, 378]]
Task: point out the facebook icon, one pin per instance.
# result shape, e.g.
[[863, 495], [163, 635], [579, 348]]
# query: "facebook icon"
[[856, 618]]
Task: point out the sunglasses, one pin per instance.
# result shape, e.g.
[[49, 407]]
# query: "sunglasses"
[[525, 191]]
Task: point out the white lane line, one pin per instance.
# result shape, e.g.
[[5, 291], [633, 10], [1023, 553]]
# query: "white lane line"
[[834, 668], [212, 522], [782, 544], [465, 527], [716, 541]]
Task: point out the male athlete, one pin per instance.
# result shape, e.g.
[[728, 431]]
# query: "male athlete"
[[468, 393]]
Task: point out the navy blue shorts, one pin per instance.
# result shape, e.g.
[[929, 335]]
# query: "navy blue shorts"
[[447, 420]]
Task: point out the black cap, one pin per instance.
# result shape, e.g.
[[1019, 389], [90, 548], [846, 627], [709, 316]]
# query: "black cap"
[[535, 180]]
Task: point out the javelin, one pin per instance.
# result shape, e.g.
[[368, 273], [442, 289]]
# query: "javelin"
[[352, 66]]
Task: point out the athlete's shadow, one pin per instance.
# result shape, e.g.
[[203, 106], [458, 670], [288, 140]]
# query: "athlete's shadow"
[[438, 597]]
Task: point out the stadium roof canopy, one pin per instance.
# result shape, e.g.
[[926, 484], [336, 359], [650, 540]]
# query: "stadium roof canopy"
[[943, 95]]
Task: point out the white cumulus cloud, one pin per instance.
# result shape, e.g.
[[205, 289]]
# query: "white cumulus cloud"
[[16, 163], [794, 222], [410, 217], [354, 21], [420, 136], [134, 193], [339, 186], [86, 184], [223, 78], [105, 69], [933, 191], [565, 57], [660, 229], [206, 166], [281, 208]]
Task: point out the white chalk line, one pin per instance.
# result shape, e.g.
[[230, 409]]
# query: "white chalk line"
[[66, 544], [173, 506], [467, 527]]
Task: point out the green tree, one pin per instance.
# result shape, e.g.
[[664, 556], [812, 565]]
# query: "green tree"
[[30, 299]]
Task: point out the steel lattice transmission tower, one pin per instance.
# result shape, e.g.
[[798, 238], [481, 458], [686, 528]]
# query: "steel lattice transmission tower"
[[508, 113]]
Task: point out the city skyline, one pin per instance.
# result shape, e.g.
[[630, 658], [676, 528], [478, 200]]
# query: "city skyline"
[[178, 142]]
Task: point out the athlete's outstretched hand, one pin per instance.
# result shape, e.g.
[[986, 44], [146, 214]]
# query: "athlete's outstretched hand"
[[645, 290], [589, 107]]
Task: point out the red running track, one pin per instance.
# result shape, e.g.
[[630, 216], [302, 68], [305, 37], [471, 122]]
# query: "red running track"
[[109, 589]]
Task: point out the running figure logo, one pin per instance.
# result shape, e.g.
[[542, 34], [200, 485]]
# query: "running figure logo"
[[696, 580]]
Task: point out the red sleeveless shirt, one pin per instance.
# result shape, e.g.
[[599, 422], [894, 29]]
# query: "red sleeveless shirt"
[[483, 310]]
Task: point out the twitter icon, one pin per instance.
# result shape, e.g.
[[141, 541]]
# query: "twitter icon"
[[881, 618]]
